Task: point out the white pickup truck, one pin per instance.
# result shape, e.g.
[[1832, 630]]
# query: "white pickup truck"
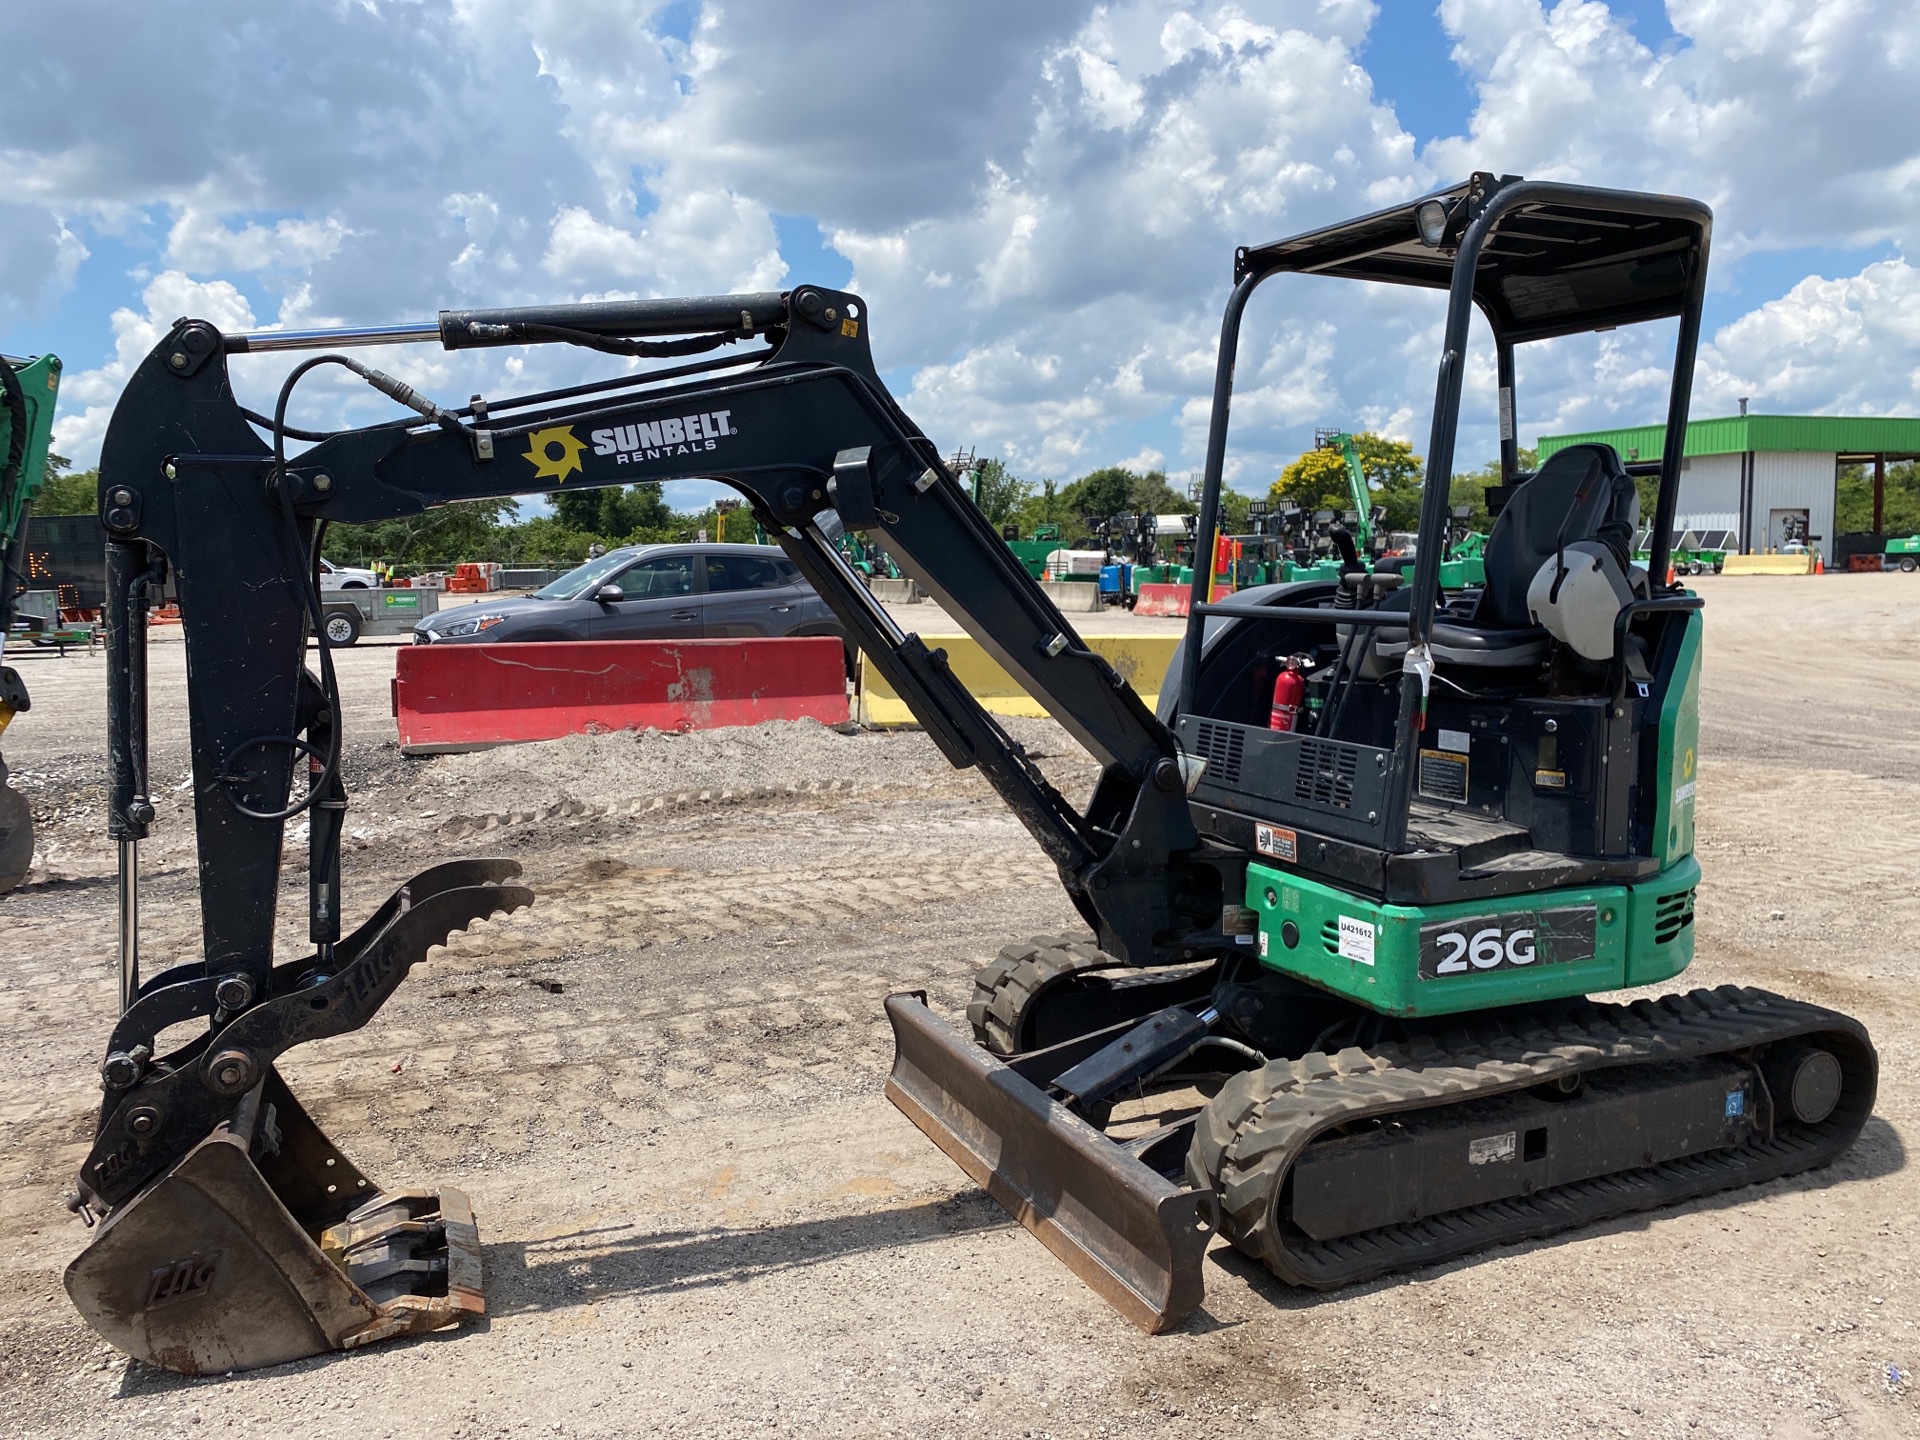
[[341, 577]]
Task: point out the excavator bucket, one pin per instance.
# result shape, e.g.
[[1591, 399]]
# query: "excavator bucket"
[[1133, 1235], [263, 1244]]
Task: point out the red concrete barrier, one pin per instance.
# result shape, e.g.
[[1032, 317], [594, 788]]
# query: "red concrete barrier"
[[1163, 599], [468, 697]]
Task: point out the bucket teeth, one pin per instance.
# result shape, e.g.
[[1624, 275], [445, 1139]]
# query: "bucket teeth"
[[236, 1235], [264, 1245]]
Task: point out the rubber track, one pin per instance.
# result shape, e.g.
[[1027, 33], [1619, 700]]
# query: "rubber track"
[[1005, 989], [1263, 1120]]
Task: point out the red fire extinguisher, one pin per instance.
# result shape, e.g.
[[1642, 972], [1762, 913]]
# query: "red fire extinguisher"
[[1289, 693]]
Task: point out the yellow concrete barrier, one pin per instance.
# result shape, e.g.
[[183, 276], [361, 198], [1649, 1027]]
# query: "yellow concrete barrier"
[[1142, 661], [1768, 565]]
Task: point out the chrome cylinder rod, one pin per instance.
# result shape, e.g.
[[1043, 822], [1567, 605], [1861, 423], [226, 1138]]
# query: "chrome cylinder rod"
[[257, 342], [129, 923]]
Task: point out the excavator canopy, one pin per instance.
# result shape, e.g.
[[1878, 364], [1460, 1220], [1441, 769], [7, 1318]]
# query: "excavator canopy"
[[1584, 259]]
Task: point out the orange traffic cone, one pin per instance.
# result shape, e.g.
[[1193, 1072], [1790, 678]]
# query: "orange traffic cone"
[[1819, 563]]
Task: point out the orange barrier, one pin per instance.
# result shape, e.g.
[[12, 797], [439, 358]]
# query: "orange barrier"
[[475, 576], [1163, 599], [456, 696]]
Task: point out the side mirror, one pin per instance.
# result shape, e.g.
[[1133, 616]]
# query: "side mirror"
[[609, 594]]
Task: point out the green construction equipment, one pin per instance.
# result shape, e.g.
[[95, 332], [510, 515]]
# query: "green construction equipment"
[[26, 432], [1364, 511]]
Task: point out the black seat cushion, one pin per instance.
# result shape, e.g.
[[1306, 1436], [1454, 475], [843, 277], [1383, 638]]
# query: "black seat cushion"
[[1471, 642]]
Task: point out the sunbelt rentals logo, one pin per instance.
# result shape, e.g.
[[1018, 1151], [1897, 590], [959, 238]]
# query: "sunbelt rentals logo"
[[659, 439], [555, 453]]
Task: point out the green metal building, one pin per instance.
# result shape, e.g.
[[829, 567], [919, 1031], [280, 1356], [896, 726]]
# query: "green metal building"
[[1762, 476]]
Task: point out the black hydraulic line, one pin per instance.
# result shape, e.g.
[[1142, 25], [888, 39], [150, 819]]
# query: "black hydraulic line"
[[518, 402], [307, 568], [736, 314], [132, 568], [524, 334], [294, 432], [625, 382]]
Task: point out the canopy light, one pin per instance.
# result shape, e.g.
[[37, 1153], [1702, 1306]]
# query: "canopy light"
[[1430, 218]]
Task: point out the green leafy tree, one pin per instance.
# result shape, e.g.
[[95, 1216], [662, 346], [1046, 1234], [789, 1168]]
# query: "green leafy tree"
[[66, 491], [1853, 500], [539, 541], [647, 507], [999, 492], [1047, 506], [1234, 508], [1469, 488], [1102, 492], [1318, 480], [444, 535], [614, 513], [1150, 494]]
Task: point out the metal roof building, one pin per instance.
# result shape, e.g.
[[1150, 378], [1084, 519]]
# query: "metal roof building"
[[1764, 476]]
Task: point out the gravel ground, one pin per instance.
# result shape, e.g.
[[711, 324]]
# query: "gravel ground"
[[661, 1085]]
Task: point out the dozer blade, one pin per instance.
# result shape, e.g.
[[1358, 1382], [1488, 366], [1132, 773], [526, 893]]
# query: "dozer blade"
[[1129, 1232], [263, 1244]]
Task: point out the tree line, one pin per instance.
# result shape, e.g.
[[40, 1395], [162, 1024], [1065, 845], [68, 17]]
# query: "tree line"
[[639, 514]]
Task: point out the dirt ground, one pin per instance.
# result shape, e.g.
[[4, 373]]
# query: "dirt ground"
[[661, 1086]]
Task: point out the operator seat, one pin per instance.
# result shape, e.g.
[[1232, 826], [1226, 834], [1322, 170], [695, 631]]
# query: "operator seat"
[[1582, 493]]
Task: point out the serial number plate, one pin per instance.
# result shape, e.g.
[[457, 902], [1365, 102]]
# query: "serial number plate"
[[1520, 941]]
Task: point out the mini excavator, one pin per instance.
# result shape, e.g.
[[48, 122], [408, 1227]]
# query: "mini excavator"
[[1332, 998]]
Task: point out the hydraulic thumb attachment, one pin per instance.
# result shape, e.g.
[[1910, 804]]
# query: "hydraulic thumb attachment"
[[236, 1234]]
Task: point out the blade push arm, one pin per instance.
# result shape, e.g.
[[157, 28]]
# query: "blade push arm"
[[802, 428]]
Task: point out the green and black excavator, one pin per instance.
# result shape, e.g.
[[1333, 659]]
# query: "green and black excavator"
[[1331, 998], [27, 391]]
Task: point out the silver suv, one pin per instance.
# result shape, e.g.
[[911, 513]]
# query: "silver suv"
[[650, 592]]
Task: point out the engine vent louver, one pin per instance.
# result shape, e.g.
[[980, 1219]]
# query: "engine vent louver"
[[1222, 746], [1325, 774], [1672, 914]]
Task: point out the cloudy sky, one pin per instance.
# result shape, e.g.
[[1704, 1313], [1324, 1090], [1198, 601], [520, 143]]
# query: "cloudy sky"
[[1039, 199]]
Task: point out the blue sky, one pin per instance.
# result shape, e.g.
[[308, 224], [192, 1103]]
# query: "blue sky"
[[1038, 199]]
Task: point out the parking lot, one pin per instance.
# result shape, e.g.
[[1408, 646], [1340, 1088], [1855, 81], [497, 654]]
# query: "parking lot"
[[661, 1086]]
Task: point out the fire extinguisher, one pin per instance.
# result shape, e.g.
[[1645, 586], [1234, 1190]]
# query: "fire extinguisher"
[[1289, 693]]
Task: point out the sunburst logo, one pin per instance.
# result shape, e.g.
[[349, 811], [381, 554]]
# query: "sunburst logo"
[[555, 453]]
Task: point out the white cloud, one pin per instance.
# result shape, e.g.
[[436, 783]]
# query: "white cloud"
[[39, 257], [1039, 198], [87, 398], [1844, 346], [199, 241]]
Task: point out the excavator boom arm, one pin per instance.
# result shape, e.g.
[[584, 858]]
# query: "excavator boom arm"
[[800, 428]]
